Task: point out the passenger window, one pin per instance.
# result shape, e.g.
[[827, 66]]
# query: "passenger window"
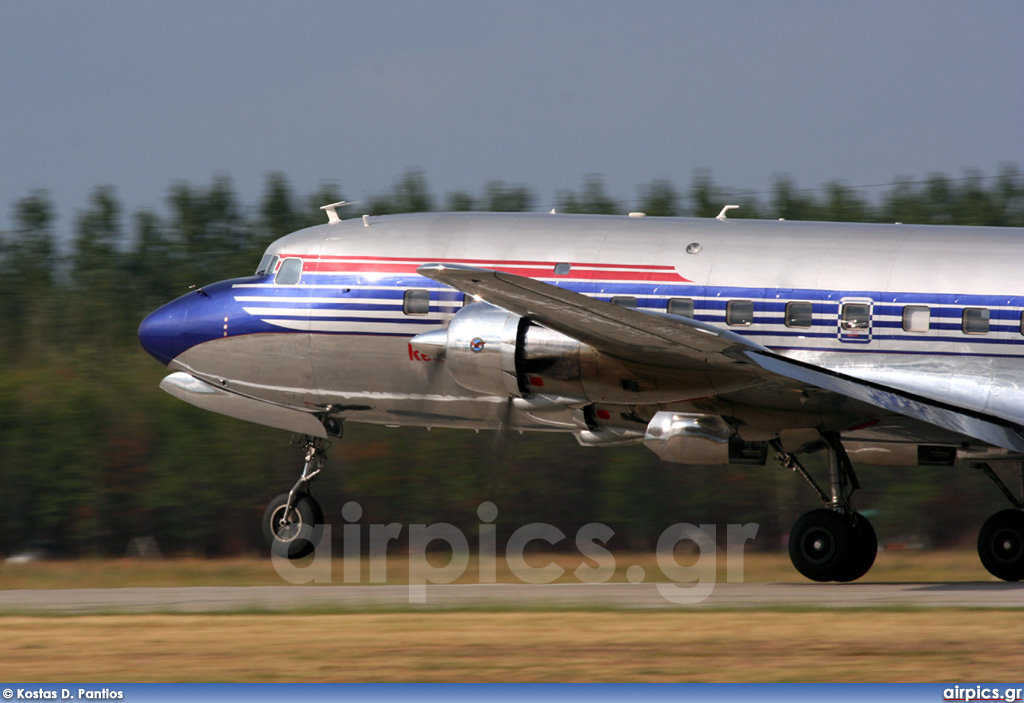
[[799, 314], [267, 264], [562, 269], [289, 273], [739, 312], [916, 318], [855, 316], [624, 301], [416, 302], [680, 306], [975, 321]]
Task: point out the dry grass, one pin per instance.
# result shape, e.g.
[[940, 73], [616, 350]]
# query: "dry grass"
[[758, 567], [609, 646], [936, 645]]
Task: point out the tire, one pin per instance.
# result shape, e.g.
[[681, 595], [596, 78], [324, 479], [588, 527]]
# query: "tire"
[[822, 544], [300, 535], [865, 551], [1001, 545]]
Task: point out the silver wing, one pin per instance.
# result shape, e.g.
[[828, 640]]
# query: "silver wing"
[[751, 375]]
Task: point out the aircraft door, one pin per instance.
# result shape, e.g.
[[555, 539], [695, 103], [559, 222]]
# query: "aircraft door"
[[855, 320]]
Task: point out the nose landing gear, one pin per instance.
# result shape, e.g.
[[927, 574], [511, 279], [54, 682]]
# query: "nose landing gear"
[[293, 521]]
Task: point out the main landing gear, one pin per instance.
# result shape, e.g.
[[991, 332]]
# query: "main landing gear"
[[835, 543], [293, 521], [1001, 540]]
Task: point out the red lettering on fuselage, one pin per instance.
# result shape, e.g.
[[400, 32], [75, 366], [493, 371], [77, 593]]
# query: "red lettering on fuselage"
[[415, 355]]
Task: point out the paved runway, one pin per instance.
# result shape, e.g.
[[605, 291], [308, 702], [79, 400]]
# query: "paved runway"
[[727, 596]]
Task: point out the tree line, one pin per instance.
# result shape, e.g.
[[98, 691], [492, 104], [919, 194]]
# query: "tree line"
[[92, 454]]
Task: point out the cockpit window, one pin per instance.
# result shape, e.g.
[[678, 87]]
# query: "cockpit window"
[[289, 273], [267, 264]]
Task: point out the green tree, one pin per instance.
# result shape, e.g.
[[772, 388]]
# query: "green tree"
[[1008, 193], [459, 201], [705, 197], [277, 211], [974, 206], [843, 205], [27, 264], [499, 197], [592, 200], [98, 275], [153, 263], [659, 199], [789, 203], [409, 194], [216, 241]]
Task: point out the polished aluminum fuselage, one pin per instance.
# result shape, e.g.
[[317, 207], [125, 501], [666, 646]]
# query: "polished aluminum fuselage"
[[337, 342]]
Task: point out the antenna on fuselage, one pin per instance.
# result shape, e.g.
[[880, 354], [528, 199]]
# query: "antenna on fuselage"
[[332, 212], [722, 216]]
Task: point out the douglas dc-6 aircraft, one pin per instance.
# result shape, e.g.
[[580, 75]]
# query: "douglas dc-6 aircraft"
[[709, 341]]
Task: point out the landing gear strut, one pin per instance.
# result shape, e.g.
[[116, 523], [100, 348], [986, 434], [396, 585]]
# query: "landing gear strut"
[[835, 543], [1001, 540], [293, 521]]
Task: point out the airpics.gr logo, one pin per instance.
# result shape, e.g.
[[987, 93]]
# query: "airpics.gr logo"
[[687, 584], [981, 693]]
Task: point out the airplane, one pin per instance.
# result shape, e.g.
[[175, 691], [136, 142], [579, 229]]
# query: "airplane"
[[707, 340]]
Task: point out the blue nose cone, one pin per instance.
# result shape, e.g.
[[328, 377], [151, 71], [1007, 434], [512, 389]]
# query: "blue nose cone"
[[193, 319], [162, 333]]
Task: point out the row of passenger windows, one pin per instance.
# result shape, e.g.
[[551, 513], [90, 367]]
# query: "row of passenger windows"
[[853, 316], [917, 318], [740, 313]]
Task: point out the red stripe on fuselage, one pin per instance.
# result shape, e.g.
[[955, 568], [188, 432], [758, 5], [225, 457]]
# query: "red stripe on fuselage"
[[531, 269]]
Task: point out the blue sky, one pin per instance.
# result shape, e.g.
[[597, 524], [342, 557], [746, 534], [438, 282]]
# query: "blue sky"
[[138, 95]]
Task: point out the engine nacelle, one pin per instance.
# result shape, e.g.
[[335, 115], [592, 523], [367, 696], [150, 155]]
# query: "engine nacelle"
[[481, 349], [492, 351]]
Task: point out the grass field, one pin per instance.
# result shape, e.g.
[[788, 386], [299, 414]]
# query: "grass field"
[[507, 646], [502, 645]]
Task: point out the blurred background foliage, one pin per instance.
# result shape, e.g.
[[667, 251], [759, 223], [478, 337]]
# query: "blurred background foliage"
[[93, 454]]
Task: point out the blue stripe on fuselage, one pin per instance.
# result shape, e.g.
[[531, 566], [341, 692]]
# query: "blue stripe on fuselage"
[[200, 317]]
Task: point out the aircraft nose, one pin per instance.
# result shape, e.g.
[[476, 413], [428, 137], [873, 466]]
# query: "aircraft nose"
[[164, 332]]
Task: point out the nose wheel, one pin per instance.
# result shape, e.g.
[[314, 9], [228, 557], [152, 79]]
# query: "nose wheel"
[[293, 530], [293, 522]]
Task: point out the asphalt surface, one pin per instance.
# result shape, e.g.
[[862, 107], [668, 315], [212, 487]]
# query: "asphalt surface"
[[514, 596]]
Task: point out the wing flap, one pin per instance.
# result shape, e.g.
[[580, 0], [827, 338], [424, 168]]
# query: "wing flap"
[[987, 428]]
